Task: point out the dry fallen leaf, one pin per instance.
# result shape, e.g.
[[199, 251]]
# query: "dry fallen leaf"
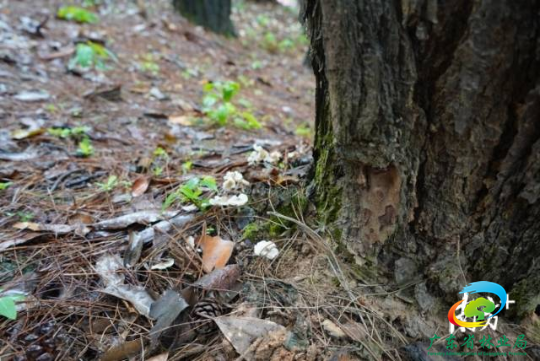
[[165, 310], [216, 252], [134, 250], [19, 134], [161, 357], [333, 330], [124, 350], [242, 331], [159, 230], [181, 120], [53, 228], [164, 264], [220, 279], [355, 331], [140, 185], [107, 267], [141, 217], [17, 241]]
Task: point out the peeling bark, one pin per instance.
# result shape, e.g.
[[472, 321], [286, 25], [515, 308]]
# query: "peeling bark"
[[428, 138]]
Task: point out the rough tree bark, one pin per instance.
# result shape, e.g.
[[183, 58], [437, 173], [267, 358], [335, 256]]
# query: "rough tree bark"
[[214, 15], [428, 141]]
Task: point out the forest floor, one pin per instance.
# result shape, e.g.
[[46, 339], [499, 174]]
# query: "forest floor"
[[125, 231]]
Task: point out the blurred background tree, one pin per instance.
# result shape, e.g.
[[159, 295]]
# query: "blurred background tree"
[[214, 15]]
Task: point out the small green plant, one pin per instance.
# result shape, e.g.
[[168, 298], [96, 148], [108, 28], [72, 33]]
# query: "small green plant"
[[75, 132], [160, 158], [86, 149], [76, 112], [149, 64], [192, 191], [77, 14], [257, 64], [245, 81], [219, 108], [8, 308], [160, 153], [270, 42], [91, 55], [286, 45], [157, 171], [186, 166], [189, 73], [246, 121], [25, 216], [5, 185], [80, 133], [263, 20], [51, 108], [109, 185], [303, 130]]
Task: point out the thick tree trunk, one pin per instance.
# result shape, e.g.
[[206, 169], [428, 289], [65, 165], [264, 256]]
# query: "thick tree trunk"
[[214, 15], [428, 140]]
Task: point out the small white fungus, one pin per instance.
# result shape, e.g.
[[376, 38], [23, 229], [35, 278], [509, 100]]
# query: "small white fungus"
[[266, 249]]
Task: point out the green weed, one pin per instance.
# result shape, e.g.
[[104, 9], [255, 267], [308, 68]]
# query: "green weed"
[[5, 185], [86, 149], [109, 185], [77, 14], [91, 55], [218, 106], [192, 192]]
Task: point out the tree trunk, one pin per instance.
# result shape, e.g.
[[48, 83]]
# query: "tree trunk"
[[214, 15], [427, 142]]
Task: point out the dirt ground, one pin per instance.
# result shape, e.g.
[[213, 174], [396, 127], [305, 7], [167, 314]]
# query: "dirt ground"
[[124, 228]]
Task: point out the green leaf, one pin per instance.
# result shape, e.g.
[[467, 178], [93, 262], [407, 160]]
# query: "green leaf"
[[222, 113], [111, 183], [208, 101], [84, 57], [77, 14], [85, 147], [247, 121], [160, 152], [169, 200], [89, 55], [157, 171], [251, 120], [5, 185], [208, 87], [8, 308], [68, 132], [285, 45], [59, 132], [193, 183], [190, 194], [210, 183], [229, 90], [186, 166], [99, 50], [303, 130], [80, 130]]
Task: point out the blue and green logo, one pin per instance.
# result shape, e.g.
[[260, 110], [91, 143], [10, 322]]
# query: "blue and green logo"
[[478, 308]]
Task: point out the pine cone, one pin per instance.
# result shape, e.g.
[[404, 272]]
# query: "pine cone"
[[40, 345], [203, 313]]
